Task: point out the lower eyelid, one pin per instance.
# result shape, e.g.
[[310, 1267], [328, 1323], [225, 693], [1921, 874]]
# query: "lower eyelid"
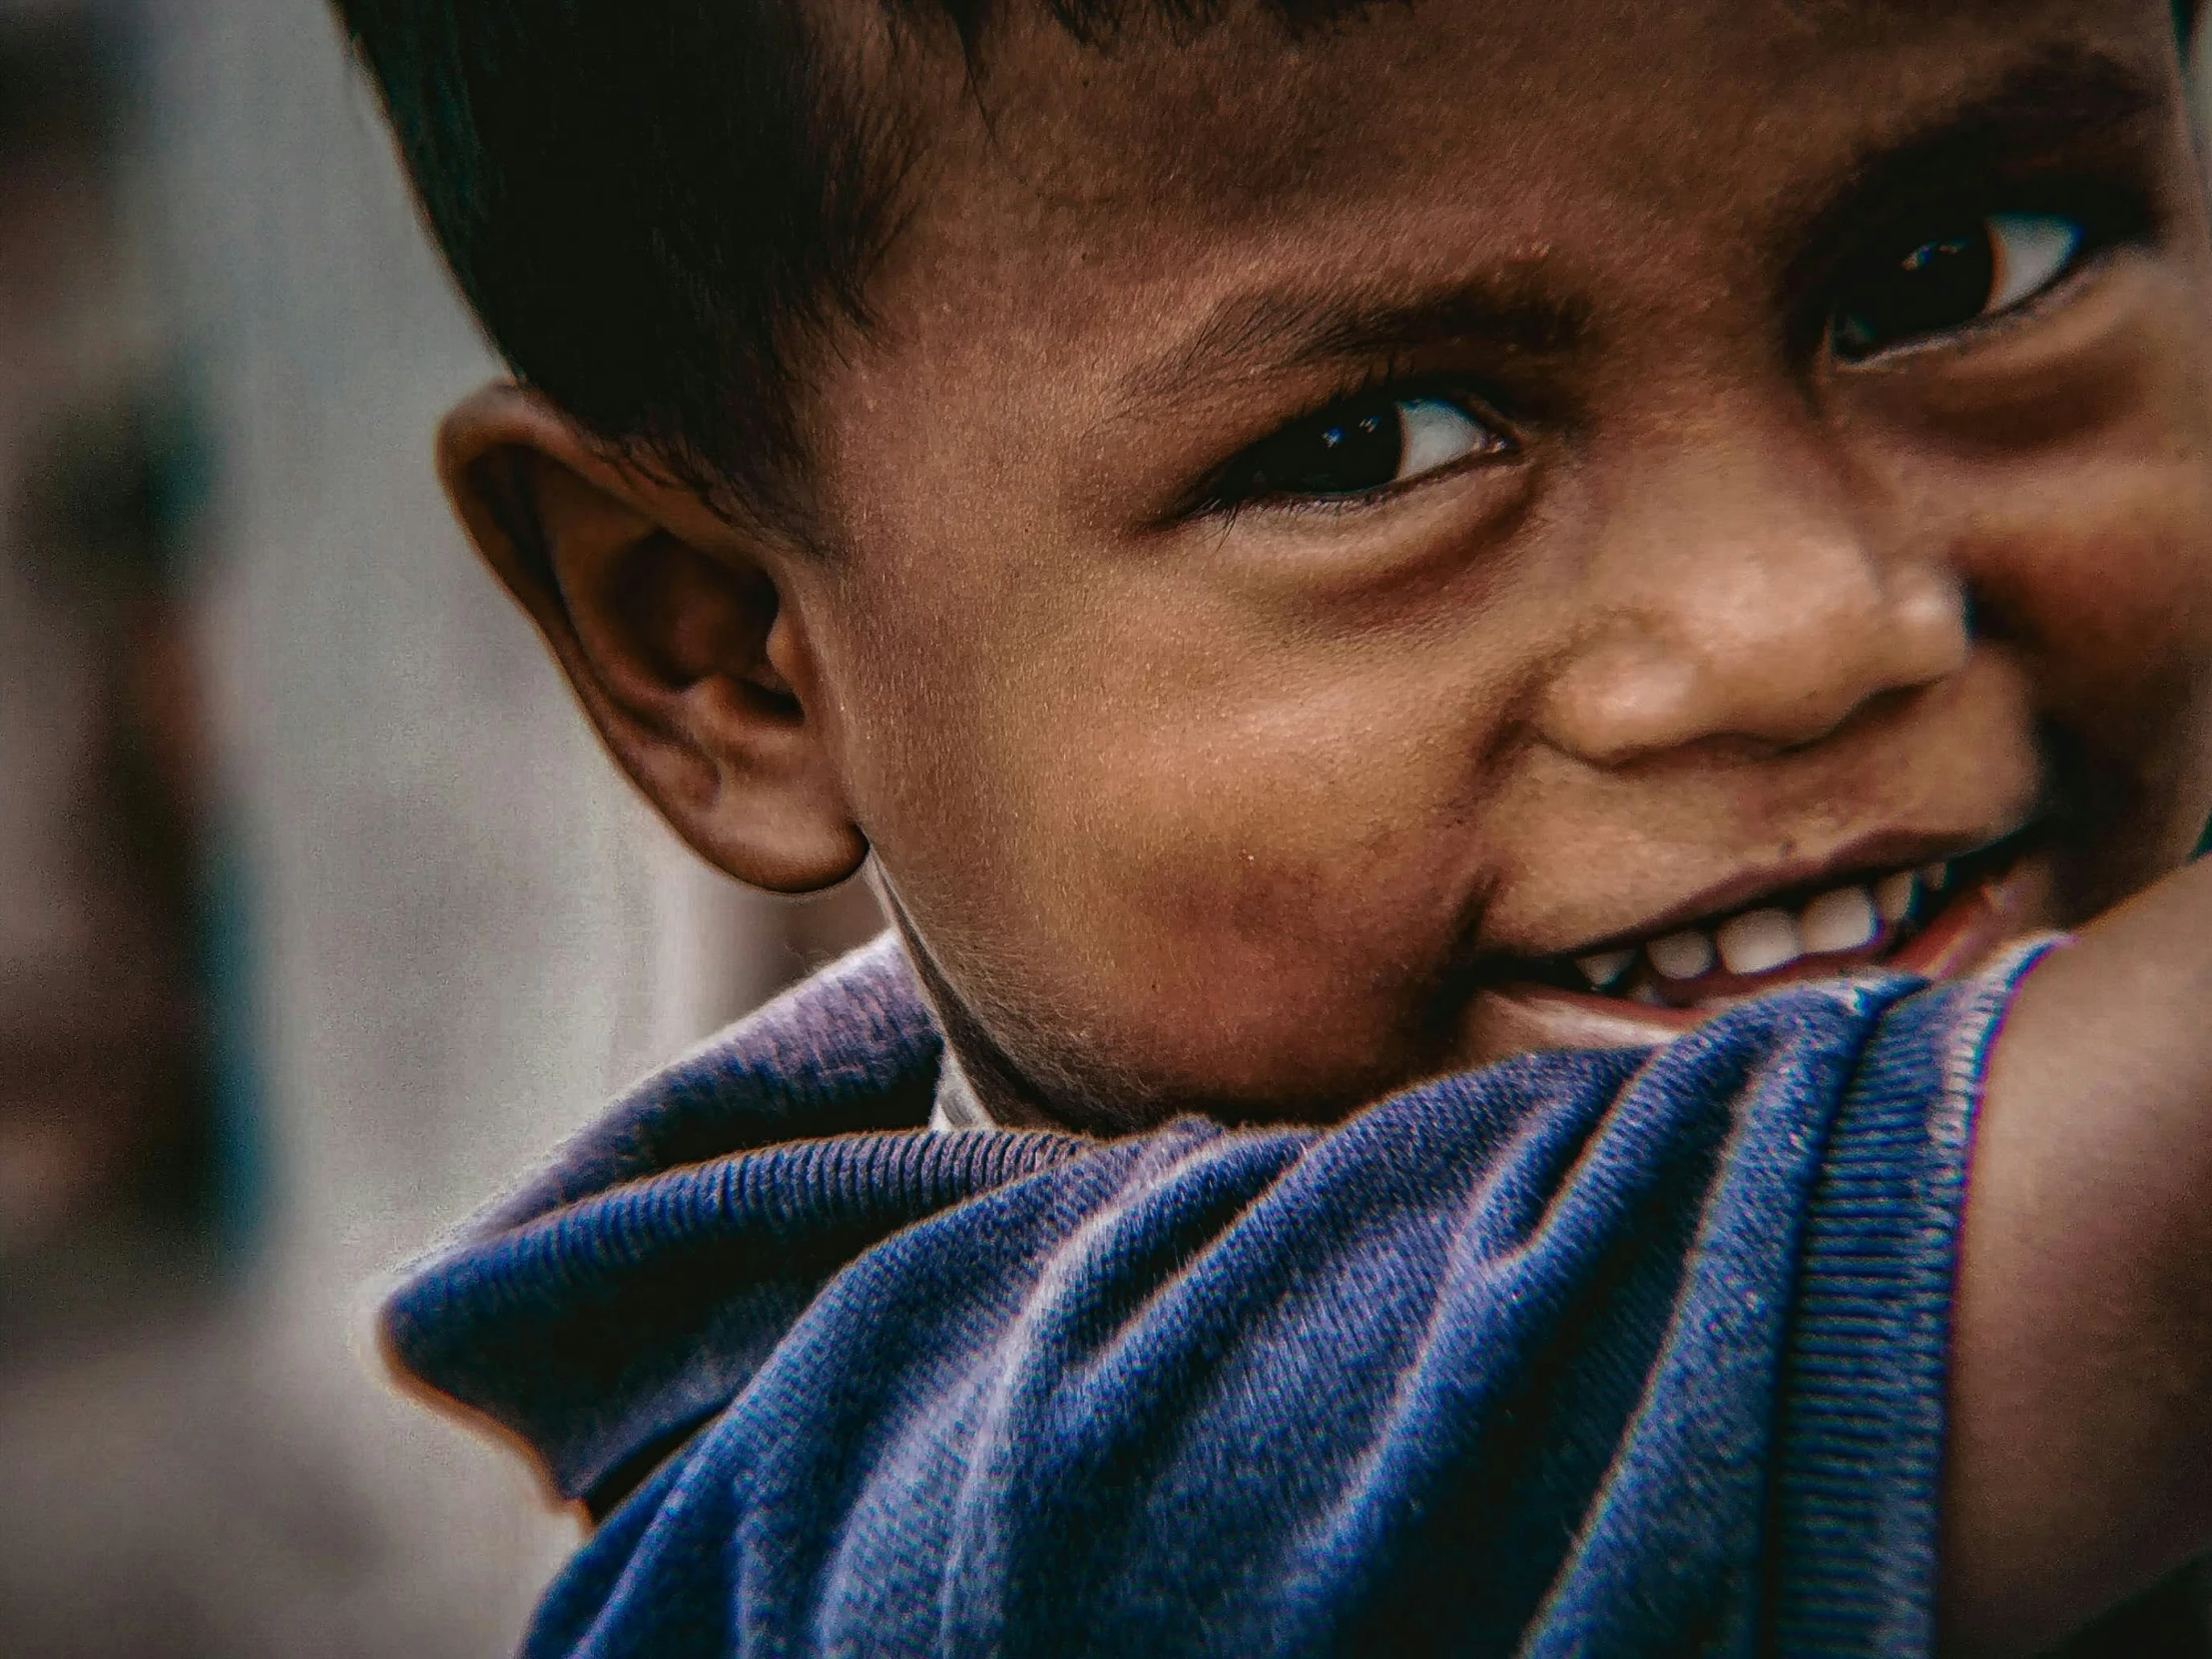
[[2060, 290], [1294, 507]]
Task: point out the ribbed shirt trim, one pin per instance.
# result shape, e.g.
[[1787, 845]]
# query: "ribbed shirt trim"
[[1863, 1413]]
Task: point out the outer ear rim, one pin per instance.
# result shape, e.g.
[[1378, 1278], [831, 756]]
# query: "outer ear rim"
[[787, 843], [506, 414], [501, 525]]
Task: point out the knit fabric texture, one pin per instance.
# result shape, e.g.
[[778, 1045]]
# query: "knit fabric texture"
[[1633, 1353]]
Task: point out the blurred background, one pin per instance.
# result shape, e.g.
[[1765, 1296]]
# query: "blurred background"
[[321, 917]]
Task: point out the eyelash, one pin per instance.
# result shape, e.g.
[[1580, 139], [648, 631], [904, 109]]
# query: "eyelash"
[[1389, 381]]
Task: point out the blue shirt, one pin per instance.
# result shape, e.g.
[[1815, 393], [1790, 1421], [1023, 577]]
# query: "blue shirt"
[[1621, 1354]]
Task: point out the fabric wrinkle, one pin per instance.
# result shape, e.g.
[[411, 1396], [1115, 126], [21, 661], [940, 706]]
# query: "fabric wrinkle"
[[1633, 1351]]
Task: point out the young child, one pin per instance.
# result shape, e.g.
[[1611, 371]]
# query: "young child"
[[1479, 650]]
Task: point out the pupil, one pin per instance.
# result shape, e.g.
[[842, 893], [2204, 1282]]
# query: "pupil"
[[1350, 454], [1941, 284]]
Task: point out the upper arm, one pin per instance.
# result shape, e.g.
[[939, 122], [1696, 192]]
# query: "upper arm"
[[2078, 1463]]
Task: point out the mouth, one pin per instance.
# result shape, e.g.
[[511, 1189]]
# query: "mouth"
[[1937, 918]]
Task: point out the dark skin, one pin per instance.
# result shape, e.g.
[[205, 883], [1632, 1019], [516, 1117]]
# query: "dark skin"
[[1714, 564]]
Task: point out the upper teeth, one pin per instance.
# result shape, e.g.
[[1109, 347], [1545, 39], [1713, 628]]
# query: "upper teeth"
[[1842, 919], [1893, 895], [1682, 956], [1606, 966], [1759, 942]]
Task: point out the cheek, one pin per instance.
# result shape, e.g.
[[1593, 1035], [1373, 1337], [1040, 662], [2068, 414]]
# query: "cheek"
[[2100, 573], [1126, 831], [2072, 488], [2094, 572], [1172, 869], [2108, 590], [2106, 595]]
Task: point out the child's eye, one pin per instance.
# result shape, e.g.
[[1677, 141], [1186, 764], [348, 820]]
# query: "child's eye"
[[1984, 268], [1358, 448]]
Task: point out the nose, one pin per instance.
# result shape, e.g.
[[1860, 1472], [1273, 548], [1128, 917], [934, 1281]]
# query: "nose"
[[1733, 592]]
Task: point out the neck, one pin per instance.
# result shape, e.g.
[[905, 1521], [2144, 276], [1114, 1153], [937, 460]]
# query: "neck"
[[982, 1086]]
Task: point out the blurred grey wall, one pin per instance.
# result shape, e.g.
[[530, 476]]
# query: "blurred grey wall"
[[464, 930]]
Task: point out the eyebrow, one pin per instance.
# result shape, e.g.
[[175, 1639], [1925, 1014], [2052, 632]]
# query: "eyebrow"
[[2042, 104], [1291, 328]]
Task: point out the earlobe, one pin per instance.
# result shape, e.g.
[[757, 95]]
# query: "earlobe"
[[672, 627]]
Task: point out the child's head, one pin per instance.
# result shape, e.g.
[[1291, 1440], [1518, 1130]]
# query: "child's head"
[[1285, 526]]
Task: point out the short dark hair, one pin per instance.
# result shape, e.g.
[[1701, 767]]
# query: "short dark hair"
[[653, 205]]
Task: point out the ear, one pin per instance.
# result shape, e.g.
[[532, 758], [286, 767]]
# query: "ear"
[[671, 626]]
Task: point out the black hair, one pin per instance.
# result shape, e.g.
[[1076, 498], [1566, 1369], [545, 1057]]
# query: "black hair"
[[646, 203], [655, 205]]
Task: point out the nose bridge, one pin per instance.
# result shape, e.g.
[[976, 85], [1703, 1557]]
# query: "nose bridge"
[[1733, 590]]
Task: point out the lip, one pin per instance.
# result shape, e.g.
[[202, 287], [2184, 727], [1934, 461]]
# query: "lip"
[[2008, 899], [1869, 855]]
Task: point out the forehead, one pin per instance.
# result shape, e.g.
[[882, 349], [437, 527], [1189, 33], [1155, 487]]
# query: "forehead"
[[1517, 122], [1247, 106]]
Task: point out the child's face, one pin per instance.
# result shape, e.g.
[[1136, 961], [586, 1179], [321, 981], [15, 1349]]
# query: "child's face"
[[1799, 416]]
